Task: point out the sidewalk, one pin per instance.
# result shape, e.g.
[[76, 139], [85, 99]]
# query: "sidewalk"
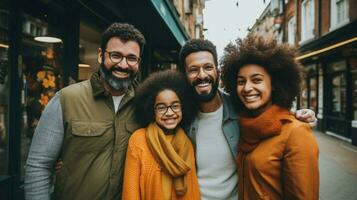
[[338, 168]]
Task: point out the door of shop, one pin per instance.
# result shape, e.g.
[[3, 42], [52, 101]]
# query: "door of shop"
[[336, 101]]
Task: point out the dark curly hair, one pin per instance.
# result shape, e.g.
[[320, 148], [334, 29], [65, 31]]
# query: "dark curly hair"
[[277, 59], [125, 32], [156, 82], [193, 46]]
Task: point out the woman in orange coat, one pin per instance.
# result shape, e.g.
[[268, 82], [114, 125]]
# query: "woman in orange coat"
[[278, 155], [160, 161]]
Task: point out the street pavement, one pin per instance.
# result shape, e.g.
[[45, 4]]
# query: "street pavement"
[[338, 168]]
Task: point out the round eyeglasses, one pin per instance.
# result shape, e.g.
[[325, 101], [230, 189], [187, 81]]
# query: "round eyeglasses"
[[162, 108], [117, 57]]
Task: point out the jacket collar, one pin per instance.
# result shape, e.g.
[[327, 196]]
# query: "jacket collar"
[[229, 112]]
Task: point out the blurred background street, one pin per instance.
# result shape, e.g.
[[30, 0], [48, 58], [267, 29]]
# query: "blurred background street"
[[338, 168]]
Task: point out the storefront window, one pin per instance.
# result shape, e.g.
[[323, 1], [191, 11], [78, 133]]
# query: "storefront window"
[[321, 94], [4, 86], [313, 94], [304, 94], [354, 87], [338, 88], [89, 42], [312, 88], [42, 74]]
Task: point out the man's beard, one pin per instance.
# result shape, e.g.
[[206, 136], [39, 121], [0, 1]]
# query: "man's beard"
[[208, 96], [119, 84]]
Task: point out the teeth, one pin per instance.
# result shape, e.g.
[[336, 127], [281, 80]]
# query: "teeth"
[[170, 121], [251, 97], [203, 84], [121, 73]]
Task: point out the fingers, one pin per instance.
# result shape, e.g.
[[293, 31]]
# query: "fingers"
[[58, 166], [308, 116], [304, 113]]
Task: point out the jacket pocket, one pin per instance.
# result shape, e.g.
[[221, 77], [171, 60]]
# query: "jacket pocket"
[[90, 129], [90, 136]]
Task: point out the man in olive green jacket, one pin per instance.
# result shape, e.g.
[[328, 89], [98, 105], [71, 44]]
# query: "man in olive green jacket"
[[88, 125]]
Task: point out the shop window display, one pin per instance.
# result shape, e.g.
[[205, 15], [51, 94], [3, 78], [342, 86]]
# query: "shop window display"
[[4, 87], [42, 76], [338, 93]]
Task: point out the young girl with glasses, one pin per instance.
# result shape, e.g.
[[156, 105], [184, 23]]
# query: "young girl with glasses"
[[160, 161]]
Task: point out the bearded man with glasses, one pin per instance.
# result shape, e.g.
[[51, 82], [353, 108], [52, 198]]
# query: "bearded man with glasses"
[[88, 125]]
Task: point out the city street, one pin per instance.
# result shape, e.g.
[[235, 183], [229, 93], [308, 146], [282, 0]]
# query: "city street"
[[338, 168]]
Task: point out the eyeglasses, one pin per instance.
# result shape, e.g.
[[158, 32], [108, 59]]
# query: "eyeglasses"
[[117, 57], [162, 108]]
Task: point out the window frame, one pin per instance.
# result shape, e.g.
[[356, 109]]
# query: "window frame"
[[307, 24], [334, 23]]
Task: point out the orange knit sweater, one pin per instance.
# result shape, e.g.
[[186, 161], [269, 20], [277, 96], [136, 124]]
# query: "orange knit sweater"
[[142, 174]]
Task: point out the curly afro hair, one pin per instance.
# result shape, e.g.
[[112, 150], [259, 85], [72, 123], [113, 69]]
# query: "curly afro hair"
[[277, 59], [125, 32], [193, 46], [156, 82]]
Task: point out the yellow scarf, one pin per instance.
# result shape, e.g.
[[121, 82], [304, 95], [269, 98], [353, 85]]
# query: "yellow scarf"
[[173, 157]]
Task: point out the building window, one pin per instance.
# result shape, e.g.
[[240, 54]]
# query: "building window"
[[339, 13], [291, 30], [188, 6], [307, 20]]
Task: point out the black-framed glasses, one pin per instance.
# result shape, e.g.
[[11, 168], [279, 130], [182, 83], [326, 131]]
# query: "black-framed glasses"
[[117, 57], [162, 108]]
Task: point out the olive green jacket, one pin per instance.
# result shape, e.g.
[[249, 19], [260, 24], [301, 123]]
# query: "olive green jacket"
[[95, 141]]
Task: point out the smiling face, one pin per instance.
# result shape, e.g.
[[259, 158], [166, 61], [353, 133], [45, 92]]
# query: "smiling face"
[[202, 75], [119, 75], [168, 112], [254, 88]]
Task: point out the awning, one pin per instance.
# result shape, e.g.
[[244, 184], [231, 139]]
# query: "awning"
[[167, 13]]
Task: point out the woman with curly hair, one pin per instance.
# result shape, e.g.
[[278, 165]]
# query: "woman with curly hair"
[[278, 155], [160, 161]]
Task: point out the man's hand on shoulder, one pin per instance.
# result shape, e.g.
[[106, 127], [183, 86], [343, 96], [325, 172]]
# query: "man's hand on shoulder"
[[307, 115]]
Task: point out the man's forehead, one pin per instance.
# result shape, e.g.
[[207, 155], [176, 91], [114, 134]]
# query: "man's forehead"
[[199, 58]]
